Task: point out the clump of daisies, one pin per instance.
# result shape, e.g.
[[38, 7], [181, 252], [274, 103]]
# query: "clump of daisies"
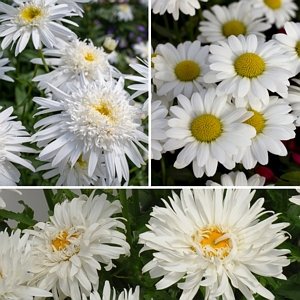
[[214, 240]]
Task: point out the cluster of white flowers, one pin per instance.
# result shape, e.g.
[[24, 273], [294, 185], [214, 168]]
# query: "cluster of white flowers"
[[226, 97], [61, 258], [91, 125]]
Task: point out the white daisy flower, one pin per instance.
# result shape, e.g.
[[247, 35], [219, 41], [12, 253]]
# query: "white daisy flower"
[[296, 199], [97, 122], [247, 67], [15, 265], [238, 18], [12, 136], [81, 237], [291, 43], [207, 239], [238, 179], [110, 294], [187, 7], [276, 11], [39, 19], [209, 130], [3, 68], [273, 124], [74, 62], [141, 49], [294, 100], [124, 12], [180, 69], [159, 125]]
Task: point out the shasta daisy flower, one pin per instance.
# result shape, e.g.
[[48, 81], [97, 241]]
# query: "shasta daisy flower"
[[276, 11], [273, 124], [124, 12], [12, 136], [209, 130], [74, 62], [15, 264], [97, 122], [238, 179], [294, 100], [247, 67], [81, 237], [3, 68], [207, 239], [39, 19], [180, 69], [238, 18]]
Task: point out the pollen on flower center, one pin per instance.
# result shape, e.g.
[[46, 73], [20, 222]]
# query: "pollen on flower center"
[[81, 163], [297, 48], [62, 240], [206, 128], [273, 4], [249, 65], [234, 27], [187, 70], [257, 121], [104, 109], [89, 56], [31, 13]]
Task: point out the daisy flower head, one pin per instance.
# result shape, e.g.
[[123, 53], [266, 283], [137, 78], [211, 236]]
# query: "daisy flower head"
[[238, 179], [277, 12], [124, 12], [180, 69], [291, 43], [296, 199], [246, 67], [97, 122], [238, 18], [12, 136], [209, 130], [82, 237], [4, 68], [207, 239], [187, 7], [75, 62], [38, 19], [294, 100], [15, 265], [273, 124]]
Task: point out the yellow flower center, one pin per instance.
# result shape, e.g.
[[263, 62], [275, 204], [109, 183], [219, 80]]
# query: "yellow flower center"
[[187, 70], [62, 240], [257, 121], [234, 27], [206, 128], [249, 65], [153, 55], [297, 48], [30, 13], [89, 56], [81, 163], [104, 108], [273, 4]]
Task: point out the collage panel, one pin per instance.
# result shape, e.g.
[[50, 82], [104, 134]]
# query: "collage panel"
[[73, 93], [131, 244], [225, 100]]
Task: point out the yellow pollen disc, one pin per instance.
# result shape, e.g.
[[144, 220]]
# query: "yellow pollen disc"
[[257, 121], [297, 48], [104, 109], [187, 70], [249, 65], [30, 13], [234, 27], [81, 163], [153, 55], [206, 128], [273, 4], [89, 56], [61, 241]]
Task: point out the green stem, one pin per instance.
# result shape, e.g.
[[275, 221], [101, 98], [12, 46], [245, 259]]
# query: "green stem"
[[126, 213], [44, 61], [49, 198]]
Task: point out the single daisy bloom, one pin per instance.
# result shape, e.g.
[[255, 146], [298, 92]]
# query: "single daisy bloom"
[[12, 136], [209, 130], [180, 69], [159, 125], [98, 122], [124, 12], [248, 67], [238, 179], [110, 294], [39, 19], [187, 7], [234, 19], [296, 199], [4, 68], [207, 239], [82, 237], [291, 43], [277, 12], [294, 100], [141, 49], [74, 62], [15, 265], [273, 124]]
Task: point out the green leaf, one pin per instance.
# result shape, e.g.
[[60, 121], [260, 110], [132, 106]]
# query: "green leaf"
[[19, 217]]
